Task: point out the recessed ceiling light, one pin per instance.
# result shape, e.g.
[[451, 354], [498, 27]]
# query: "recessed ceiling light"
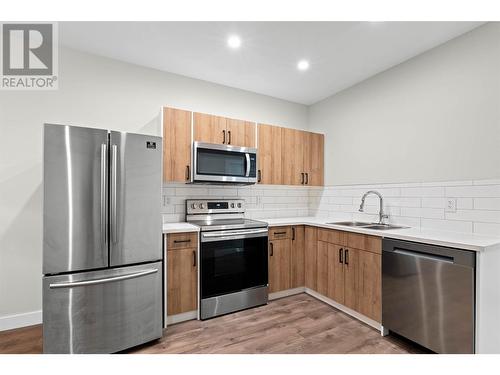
[[303, 65], [234, 41]]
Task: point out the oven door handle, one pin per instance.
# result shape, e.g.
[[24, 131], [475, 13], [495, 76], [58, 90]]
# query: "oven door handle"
[[233, 235]]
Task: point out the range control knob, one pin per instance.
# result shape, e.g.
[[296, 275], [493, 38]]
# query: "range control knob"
[[232, 205], [239, 205], [194, 206], [202, 206]]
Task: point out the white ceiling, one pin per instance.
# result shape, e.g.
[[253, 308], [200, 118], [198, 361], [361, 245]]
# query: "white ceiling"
[[341, 54]]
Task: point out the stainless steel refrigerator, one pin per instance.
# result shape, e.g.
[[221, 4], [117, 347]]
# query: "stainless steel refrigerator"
[[102, 253]]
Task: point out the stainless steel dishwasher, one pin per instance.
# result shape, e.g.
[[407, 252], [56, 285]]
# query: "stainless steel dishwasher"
[[428, 295]]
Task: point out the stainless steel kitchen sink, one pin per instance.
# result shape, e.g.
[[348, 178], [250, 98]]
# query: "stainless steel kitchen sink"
[[352, 223], [374, 226]]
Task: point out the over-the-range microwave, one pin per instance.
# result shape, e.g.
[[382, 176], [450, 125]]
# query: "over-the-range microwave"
[[224, 164]]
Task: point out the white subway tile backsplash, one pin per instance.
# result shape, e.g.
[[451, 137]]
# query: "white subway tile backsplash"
[[487, 203], [410, 204]]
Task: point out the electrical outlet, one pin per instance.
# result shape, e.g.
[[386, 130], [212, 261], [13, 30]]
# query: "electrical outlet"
[[451, 205]]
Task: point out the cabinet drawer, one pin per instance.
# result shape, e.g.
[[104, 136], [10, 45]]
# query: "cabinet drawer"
[[182, 240], [331, 236], [364, 242], [280, 233]]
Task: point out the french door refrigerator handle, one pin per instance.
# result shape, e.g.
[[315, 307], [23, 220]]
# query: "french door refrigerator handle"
[[114, 153], [104, 177], [103, 281]]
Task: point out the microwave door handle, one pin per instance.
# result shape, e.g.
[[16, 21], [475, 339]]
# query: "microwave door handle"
[[247, 156]]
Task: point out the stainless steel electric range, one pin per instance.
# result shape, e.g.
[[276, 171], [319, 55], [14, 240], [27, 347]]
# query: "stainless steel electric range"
[[233, 256]]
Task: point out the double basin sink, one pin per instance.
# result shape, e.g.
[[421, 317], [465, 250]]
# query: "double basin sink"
[[363, 225]]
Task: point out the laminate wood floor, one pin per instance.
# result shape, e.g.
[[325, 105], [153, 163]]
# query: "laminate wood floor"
[[296, 324]]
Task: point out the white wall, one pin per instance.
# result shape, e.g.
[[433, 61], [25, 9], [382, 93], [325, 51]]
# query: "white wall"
[[100, 92], [435, 117]]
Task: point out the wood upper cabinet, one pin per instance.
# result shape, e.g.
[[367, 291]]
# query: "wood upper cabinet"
[[209, 128], [298, 255], [176, 145], [310, 256], [240, 133], [222, 130], [279, 265], [292, 154], [314, 159], [269, 169], [181, 280], [303, 157]]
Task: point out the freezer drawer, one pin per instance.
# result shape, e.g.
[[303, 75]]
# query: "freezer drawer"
[[102, 311], [428, 295]]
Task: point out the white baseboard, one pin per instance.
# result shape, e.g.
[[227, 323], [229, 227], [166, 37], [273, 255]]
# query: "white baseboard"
[[345, 309], [189, 315], [20, 320], [286, 293]]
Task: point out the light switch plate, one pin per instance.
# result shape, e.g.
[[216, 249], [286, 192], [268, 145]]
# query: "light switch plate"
[[451, 205]]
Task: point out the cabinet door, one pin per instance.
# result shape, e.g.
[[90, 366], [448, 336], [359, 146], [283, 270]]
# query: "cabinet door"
[[269, 154], [181, 281], [279, 265], [335, 289], [351, 278], [298, 256], [176, 144], [370, 284], [209, 128], [322, 268], [240, 133], [310, 247], [314, 159], [292, 153]]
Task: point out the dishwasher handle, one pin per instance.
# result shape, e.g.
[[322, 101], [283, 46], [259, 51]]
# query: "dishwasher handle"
[[416, 254], [443, 254]]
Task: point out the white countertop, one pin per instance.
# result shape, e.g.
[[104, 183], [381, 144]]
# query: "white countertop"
[[467, 241], [179, 227]]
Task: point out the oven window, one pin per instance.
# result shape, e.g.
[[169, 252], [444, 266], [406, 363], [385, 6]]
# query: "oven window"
[[233, 265], [220, 163]]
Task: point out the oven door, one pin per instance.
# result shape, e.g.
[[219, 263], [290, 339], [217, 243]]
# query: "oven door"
[[232, 261], [223, 163]]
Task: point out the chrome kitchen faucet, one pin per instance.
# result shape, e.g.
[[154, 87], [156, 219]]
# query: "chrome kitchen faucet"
[[382, 216]]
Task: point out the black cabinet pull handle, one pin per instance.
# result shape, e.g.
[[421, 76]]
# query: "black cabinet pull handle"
[[302, 181], [229, 137], [187, 173], [272, 248], [293, 233], [307, 178], [224, 136], [346, 257], [341, 250], [194, 258], [279, 233], [181, 241], [259, 175]]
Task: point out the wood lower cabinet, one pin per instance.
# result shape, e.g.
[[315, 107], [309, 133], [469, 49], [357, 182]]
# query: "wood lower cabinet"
[[335, 275], [181, 281], [310, 256], [298, 254], [350, 269], [279, 265], [176, 145], [369, 286]]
